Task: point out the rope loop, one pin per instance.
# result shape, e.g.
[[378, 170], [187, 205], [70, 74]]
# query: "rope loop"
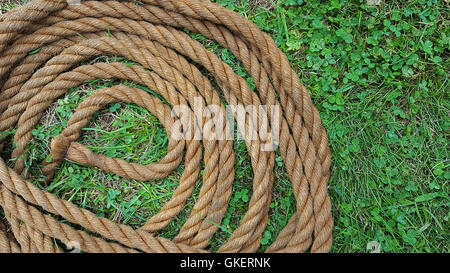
[[47, 48]]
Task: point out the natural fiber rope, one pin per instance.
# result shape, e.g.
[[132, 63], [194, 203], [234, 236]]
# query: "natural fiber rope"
[[151, 35]]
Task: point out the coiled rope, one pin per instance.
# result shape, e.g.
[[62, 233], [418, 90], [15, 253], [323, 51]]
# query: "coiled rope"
[[151, 34]]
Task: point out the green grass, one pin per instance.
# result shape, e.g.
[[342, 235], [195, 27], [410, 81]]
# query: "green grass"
[[379, 76], [6, 5]]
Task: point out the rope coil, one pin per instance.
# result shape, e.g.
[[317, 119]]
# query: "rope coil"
[[151, 35]]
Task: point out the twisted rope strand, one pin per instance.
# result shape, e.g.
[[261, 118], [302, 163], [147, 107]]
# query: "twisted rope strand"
[[150, 34]]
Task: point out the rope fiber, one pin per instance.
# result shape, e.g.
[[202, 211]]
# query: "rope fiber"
[[41, 47]]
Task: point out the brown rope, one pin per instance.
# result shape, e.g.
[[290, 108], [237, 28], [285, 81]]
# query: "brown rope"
[[151, 35]]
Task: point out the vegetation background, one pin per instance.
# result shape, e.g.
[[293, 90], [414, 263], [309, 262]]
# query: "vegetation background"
[[379, 74]]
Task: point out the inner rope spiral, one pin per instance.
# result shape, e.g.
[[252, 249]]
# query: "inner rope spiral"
[[152, 34]]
